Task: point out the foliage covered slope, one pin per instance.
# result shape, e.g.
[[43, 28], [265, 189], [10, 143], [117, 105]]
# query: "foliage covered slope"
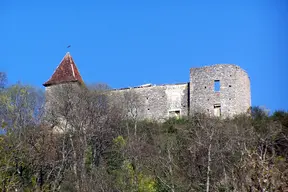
[[101, 149]]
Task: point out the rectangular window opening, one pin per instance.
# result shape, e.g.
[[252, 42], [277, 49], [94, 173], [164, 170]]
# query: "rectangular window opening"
[[216, 85], [217, 110], [175, 113]]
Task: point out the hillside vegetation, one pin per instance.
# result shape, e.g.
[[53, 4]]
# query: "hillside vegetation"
[[83, 143]]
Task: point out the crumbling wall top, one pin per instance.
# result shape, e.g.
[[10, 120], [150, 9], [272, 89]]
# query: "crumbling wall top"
[[219, 66]]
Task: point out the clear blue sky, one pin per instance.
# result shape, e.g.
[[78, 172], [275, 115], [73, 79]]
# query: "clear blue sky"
[[128, 43]]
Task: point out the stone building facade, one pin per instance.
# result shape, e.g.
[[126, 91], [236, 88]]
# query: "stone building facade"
[[220, 90]]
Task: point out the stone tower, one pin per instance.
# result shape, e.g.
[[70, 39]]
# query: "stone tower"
[[220, 90], [65, 80]]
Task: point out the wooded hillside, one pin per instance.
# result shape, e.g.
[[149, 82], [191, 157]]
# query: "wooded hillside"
[[102, 149]]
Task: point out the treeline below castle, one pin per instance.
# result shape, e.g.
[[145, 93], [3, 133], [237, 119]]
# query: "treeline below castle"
[[83, 142]]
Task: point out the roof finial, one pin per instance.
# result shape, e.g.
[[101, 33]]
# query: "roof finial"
[[67, 54]]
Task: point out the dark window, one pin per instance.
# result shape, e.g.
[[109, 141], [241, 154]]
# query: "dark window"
[[216, 85], [217, 110], [174, 113]]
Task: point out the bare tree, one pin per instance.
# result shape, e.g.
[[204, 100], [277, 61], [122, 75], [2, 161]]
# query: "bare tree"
[[131, 108], [3, 80], [89, 122], [99, 87]]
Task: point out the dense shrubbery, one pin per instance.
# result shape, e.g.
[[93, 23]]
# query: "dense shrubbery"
[[101, 150]]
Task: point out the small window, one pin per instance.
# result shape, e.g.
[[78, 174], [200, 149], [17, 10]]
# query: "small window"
[[217, 110], [216, 85], [230, 85], [174, 114]]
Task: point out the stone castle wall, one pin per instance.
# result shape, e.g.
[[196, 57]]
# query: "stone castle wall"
[[199, 95], [154, 102]]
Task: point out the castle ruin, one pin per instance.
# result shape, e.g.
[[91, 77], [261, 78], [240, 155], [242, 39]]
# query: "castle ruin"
[[219, 90]]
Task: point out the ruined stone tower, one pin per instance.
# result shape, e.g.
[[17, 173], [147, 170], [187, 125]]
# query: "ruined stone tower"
[[219, 90]]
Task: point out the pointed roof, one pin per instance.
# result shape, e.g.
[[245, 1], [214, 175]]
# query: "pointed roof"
[[65, 72]]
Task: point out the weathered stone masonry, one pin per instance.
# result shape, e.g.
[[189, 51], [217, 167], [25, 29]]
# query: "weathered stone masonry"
[[233, 96], [156, 102], [220, 89]]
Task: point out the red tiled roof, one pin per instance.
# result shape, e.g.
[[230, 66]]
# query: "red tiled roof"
[[66, 72]]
